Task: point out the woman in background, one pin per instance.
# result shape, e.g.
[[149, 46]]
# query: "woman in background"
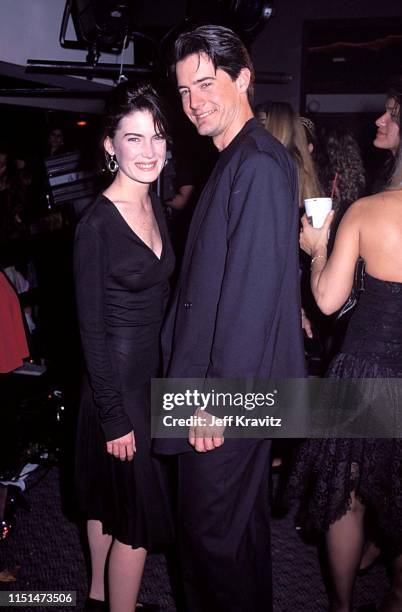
[[337, 479], [13, 342], [123, 260], [283, 123], [388, 131]]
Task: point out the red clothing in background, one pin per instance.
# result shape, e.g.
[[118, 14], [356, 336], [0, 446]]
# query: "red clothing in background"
[[13, 343]]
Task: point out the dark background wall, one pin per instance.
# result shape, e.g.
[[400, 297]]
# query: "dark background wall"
[[279, 46]]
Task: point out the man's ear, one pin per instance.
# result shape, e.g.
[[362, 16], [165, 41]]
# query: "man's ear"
[[108, 145], [243, 80]]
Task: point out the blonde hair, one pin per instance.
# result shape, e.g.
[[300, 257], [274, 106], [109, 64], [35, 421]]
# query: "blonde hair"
[[283, 123]]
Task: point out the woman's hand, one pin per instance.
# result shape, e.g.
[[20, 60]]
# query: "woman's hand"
[[122, 448], [314, 240], [306, 324]]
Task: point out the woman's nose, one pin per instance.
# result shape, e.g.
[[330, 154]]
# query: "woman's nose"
[[381, 120]]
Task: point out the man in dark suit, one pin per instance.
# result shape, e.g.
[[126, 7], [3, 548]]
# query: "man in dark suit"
[[236, 314]]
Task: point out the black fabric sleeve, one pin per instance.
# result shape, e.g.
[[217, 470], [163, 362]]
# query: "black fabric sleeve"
[[90, 269], [261, 211]]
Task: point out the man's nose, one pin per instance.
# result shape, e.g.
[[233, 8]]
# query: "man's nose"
[[196, 100]]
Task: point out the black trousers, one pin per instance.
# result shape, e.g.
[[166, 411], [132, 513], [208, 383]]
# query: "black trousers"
[[223, 528]]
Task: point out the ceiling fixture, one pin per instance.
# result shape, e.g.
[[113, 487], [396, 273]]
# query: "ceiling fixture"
[[109, 26]]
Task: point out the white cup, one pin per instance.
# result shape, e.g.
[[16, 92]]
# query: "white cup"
[[317, 209]]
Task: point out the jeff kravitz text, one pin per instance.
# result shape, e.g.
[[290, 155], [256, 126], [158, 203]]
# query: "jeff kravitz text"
[[226, 421]]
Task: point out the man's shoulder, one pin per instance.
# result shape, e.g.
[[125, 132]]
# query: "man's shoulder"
[[260, 142], [259, 147]]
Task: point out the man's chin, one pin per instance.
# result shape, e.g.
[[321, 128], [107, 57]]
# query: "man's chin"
[[203, 129], [206, 130]]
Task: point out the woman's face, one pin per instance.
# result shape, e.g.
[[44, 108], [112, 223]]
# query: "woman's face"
[[140, 151], [388, 132]]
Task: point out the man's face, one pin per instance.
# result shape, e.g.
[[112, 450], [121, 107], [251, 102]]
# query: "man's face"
[[388, 133], [210, 98]]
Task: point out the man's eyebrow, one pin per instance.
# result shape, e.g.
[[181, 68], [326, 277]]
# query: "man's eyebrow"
[[197, 81], [131, 134]]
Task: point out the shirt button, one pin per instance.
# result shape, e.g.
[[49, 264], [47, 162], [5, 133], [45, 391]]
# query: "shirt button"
[[188, 305]]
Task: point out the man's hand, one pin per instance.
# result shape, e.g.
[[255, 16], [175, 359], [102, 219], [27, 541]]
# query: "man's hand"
[[206, 437], [122, 448]]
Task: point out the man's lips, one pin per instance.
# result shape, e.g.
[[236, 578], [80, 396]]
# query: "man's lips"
[[200, 116]]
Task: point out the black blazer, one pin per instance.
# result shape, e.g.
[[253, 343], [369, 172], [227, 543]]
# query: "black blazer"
[[236, 312]]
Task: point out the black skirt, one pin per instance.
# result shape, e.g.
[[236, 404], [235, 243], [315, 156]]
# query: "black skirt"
[[130, 498]]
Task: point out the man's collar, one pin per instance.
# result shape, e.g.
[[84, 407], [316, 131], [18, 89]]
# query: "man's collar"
[[247, 127]]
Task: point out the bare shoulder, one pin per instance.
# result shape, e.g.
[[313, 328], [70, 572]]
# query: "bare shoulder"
[[355, 214], [363, 205], [363, 208], [387, 204]]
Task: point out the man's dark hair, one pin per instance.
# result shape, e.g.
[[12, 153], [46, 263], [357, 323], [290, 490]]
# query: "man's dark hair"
[[223, 47], [128, 98]]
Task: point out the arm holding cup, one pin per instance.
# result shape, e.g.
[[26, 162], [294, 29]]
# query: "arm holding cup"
[[332, 279]]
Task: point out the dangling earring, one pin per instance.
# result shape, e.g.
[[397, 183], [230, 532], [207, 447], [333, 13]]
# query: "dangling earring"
[[112, 164]]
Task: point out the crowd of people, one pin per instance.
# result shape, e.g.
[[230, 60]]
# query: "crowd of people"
[[234, 312]]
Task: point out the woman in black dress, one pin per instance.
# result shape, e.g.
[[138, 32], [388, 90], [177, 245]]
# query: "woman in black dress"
[[338, 479], [122, 263]]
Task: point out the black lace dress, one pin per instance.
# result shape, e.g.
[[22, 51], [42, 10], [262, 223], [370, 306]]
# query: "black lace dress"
[[326, 471]]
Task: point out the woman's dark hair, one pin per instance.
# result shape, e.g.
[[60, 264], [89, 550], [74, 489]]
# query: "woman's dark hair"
[[223, 47], [394, 90], [391, 174], [128, 98], [339, 154]]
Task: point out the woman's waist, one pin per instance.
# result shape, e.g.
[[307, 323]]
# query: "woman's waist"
[[379, 319], [389, 360], [133, 314], [379, 345], [135, 358]]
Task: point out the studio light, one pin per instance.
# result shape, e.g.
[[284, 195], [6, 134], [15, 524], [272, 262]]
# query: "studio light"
[[103, 24]]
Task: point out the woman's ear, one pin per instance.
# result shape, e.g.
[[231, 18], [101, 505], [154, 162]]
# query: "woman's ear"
[[108, 145]]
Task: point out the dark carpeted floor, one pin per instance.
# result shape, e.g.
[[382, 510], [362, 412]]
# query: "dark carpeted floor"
[[47, 546]]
